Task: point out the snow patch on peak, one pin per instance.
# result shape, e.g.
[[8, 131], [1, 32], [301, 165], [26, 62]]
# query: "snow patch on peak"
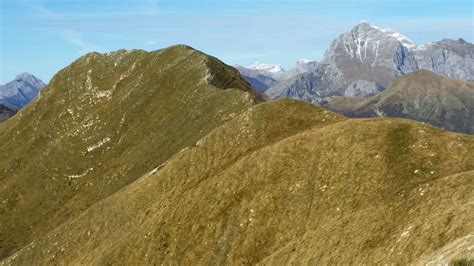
[[303, 61], [378, 28], [25, 75], [404, 40], [272, 68], [423, 46]]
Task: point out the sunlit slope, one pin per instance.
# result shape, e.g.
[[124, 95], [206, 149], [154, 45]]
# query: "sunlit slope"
[[284, 182], [100, 124]]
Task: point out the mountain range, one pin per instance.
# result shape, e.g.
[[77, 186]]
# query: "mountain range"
[[422, 95], [360, 63], [363, 62], [15, 94], [264, 76], [170, 157]]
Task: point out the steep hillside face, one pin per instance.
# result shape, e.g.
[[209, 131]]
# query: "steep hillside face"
[[22, 90], [423, 96], [364, 60], [284, 183], [100, 124], [6, 111], [452, 58]]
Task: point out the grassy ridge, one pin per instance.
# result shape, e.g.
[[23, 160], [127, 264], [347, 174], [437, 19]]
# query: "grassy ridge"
[[168, 157], [284, 182], [100, 124]]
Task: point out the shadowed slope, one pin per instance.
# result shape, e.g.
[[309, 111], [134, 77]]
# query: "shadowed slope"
[[103, 122], [283, 182], [6, 112]]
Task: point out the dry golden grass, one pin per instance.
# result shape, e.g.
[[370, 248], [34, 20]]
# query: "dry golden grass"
[[283, 183]]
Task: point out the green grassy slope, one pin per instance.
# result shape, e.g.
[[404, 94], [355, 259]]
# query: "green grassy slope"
[[100, 124], [284, 182]]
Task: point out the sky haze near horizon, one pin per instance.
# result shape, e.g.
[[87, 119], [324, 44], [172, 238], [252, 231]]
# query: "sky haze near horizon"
[[43, 36]]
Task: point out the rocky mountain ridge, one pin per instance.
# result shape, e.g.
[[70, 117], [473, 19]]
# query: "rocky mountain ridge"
[[264, 76], [363, 61]]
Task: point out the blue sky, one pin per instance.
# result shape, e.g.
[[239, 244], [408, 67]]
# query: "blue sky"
[[43, 36]]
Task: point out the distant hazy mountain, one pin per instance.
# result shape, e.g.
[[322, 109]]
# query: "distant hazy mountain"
[[363, 61], [264, 76], [260, 79], [452, 58], [17, 93], [424, 96], [298, 87], [302, 66], [269, 68], [21, 90]]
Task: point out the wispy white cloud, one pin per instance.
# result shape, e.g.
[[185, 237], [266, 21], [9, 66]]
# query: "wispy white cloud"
[[139, 8], [77, 39], [151, 42], [71, 36], [159, 29]]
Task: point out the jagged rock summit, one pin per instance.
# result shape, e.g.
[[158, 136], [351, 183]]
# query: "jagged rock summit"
[[363, 61]]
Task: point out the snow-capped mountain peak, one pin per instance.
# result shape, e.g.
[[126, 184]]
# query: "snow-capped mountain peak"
[[370, 44], [272, 68], [303, 61], [404, 40], [365, 28], [304, 65]]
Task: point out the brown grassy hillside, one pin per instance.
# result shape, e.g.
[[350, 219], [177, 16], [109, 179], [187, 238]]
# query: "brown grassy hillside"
[[100, 124], [284, 182]]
